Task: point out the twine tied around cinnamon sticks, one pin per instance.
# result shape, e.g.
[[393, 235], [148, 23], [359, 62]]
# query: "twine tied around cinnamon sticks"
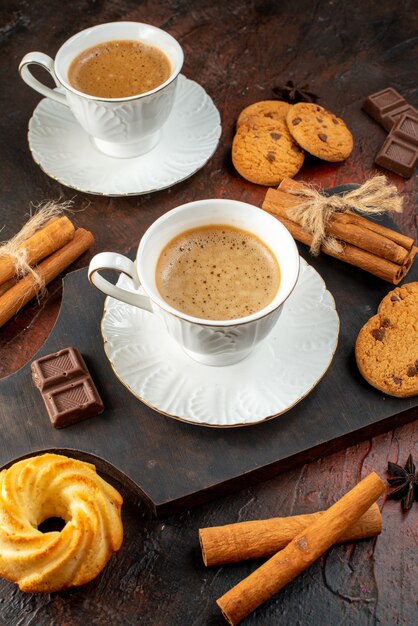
[[375, 196], [360, 241], [44, 248], [15, 250]]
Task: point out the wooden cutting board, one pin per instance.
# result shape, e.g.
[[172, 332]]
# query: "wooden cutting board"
[[175, 465]]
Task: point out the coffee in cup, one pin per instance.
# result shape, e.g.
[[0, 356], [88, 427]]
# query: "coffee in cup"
[[119, 69], [217, 272], [120, 126], [209, 341]]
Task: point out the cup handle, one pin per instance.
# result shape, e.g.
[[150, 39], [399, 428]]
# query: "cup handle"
[[119, 263], [39, 58]]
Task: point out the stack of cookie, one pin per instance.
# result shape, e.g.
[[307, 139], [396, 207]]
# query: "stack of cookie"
[[272, 137]]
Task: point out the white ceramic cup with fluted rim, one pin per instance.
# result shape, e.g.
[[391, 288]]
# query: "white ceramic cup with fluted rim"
[[211, 342], [119, 127]]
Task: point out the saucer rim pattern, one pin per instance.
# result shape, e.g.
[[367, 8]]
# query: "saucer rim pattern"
[[183, 80], [326, 294]]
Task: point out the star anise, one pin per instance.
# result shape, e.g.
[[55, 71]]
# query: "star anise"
[[405, 483], [292, 93]]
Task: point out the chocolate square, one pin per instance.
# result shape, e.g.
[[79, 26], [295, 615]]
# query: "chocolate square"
[[66, 387], [382, 102], [73, 402], [57, 368], [390, 119], [398, 156], [407, 129]]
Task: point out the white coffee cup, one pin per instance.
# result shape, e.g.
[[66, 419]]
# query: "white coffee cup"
[[211, 342], [119, 127]]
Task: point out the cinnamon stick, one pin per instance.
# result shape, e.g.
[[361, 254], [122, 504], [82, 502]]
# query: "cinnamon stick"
[[259, 538], [290, 186], [391, 272], [345, 227], [5, 286], [25, 289], [409, 260], [55, 234], [301, 552]]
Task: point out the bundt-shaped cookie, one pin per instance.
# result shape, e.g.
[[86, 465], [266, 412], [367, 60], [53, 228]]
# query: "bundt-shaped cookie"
[[51, 485]]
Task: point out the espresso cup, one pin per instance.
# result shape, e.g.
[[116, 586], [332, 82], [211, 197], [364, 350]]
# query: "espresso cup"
[[119, 127], [211, 342]]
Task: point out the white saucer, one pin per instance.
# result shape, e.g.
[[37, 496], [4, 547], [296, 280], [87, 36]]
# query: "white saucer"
[[65, 152], [279, 373]]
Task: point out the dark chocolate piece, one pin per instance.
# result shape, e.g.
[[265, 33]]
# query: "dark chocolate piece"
[[387, 107], [390, 119], [397, 155], [66, 387], [383, 102], [57, 368], [406, 128]]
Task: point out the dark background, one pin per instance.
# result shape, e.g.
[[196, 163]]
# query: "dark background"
[[238, 51]]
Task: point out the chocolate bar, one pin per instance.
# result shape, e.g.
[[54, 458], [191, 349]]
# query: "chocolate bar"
[[387, 106], [399, 153], [66, 387], [407, 129], [390, 119]]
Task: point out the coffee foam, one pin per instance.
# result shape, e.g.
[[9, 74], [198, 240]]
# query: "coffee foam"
[[119, 69], [218, 273]]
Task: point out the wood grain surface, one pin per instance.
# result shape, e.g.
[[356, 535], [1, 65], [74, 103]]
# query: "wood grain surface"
[[238, 50]]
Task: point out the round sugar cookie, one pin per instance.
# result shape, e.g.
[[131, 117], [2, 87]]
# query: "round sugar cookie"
[[387, 345], [266, 153], [266, 109], [319, 131]]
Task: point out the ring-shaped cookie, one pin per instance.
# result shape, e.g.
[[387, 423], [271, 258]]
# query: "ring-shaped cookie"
[[52, 485]]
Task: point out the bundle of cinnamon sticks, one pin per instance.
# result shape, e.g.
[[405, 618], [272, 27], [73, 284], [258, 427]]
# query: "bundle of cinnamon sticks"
[[49, 251], [296, 543], [365, 244]]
